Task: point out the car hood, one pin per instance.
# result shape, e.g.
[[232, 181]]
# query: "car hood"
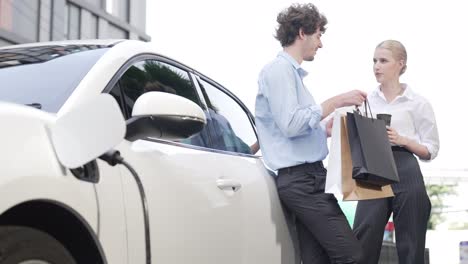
[[26, 142], [32, 139]]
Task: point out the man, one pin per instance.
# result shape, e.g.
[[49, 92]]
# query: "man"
[[294, 143]]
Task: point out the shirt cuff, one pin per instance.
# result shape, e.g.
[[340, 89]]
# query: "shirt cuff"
[[431, 150], [316, 116], [324, 128]]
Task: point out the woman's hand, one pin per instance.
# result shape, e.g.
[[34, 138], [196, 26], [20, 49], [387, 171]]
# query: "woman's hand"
[[395, 138], [420, 150]]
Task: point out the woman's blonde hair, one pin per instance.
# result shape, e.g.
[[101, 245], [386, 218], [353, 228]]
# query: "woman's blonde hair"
[[397, 49]]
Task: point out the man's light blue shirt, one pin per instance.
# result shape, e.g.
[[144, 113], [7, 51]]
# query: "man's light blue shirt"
[[287, 117]]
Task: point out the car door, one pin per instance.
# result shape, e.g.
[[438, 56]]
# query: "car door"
[[265, 234], [193, 209]]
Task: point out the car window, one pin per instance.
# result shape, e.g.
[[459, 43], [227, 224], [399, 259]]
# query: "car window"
[[229, 124], [152, 75]]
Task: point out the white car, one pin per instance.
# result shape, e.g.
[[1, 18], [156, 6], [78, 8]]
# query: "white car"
[[111, 153]]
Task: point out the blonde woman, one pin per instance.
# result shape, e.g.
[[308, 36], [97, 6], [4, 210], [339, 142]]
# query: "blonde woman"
[[413, 134]]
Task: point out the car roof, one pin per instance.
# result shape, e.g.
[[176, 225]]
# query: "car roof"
[[103, 42], [140, 46]]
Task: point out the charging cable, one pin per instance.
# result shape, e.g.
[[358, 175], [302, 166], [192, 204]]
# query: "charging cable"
[[112, 157]]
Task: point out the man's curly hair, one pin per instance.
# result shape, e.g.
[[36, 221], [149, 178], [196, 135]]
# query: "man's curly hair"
[[295, 17]]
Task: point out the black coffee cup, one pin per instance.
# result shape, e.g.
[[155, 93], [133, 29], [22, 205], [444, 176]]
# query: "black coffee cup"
[[385, 117]]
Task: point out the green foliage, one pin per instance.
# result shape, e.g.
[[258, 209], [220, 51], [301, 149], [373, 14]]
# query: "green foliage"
[[458, 226], [133, 82], [165, 75], [437, 193], [156, 76]]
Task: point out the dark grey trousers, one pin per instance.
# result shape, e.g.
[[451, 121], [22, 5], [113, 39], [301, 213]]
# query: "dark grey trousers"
[[411, 209], [324, 233]]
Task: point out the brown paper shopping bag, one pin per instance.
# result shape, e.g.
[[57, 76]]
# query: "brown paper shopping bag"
[[354, 190]]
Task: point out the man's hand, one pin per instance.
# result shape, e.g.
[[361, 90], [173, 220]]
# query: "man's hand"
[[255, 147], [351, 98], [355, 97]]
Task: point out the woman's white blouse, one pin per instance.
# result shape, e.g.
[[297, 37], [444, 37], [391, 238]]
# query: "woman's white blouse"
[[412, 117]]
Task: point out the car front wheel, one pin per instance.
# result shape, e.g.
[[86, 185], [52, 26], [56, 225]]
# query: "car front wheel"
[[25, 245]]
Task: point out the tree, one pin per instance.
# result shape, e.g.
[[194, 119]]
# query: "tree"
[[437, 192]]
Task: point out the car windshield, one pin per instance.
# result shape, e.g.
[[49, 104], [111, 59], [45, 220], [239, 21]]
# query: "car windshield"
[[44, 77]]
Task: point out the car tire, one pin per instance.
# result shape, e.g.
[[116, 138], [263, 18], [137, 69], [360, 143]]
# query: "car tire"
[[25, 245]]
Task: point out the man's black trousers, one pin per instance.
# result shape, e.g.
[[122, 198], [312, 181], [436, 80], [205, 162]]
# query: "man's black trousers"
[[324, 233]]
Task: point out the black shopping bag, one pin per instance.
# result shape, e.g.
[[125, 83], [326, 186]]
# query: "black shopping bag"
[[371, 153]]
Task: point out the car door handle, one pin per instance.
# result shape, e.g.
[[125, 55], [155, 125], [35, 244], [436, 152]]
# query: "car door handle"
[[228, 185]]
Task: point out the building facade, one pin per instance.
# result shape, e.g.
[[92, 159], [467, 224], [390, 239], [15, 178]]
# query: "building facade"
[[24, 21]]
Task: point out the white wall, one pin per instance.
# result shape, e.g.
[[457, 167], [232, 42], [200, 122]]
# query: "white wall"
[[444, 245]]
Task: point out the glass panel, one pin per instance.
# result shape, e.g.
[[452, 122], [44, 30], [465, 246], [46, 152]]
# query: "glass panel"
[[20, 17], [73, 22], [231, 127], [109, 6], [6, 15], [138, 15], [153, 75], [116, 92], [45, 20], [97, 3], [116, 32], [88, 25], [118, 8]]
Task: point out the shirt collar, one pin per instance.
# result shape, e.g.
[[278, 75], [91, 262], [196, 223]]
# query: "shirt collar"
[[303, 73], [407, 93]]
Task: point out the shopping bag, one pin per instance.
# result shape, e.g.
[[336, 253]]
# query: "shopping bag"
[[339, 179], [333, 180], [352, 189], [371, 153]]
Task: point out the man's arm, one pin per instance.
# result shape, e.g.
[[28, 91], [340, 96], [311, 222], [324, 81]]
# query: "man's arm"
[[355, 97], [278, 85]]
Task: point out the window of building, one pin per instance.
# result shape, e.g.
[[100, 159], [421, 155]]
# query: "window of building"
[[118, 8], [116, 32], [45, 18], [73, 25], [20, 17], [98, 3], [89, 24], [137, 14]]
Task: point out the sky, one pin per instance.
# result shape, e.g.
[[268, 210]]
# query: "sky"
[[230, 41]]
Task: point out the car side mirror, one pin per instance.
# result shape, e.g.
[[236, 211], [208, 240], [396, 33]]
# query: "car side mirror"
[[164, 115]]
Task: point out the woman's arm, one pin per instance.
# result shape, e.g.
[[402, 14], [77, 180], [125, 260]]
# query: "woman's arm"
[[420, 150]]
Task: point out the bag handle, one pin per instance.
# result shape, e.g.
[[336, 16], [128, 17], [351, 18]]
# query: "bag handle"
[[366, 106]]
